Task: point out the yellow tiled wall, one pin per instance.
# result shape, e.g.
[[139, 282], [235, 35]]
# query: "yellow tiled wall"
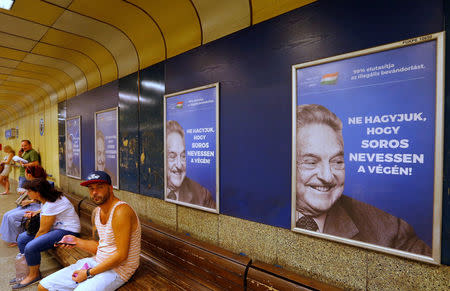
[[47, 144]]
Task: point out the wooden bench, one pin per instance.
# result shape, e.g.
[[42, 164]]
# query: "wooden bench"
[[169, 260], [67, 257], [262, 276], [174, 261]]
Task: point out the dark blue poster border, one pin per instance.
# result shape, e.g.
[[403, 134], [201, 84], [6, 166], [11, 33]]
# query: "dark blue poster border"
[[367, 154], [191, 147]]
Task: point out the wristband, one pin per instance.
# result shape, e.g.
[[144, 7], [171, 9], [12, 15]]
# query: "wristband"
[[88, 273]]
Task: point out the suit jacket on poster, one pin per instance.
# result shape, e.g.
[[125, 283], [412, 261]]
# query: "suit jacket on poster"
[[349, 218], [194, 193], [73, 171], [113, 177]]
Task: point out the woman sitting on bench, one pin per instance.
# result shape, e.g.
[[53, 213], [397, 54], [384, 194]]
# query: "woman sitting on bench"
[[11, 222], [58, 218]]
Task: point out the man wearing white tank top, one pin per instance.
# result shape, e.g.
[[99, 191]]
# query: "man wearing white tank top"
[[116, 253]]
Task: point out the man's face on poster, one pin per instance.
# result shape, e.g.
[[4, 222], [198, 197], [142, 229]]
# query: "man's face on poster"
[[320, 168], [176, 160], [100, 154]]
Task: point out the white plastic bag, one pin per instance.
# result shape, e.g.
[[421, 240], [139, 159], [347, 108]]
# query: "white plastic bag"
[[21, 267]]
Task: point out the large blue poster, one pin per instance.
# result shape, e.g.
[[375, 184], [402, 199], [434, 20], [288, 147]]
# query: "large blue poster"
[[106, 154], [191, 147], [365, 129], [73, 147]]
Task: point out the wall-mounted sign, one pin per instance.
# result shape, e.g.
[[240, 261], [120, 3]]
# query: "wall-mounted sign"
[[106, 144], [12, 133], [41, 126], [191, 143], [368, 148]]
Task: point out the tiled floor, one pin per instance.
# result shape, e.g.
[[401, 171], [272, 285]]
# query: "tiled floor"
[[7, 254]]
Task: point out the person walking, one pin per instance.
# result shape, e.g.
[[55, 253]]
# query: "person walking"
[[4, 175]]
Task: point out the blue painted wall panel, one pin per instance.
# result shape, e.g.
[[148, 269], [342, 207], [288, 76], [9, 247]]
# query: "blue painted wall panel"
[[129, 133], [86, 105], [151, 128], [253, 67]]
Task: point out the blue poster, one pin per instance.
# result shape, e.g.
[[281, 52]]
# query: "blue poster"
[[73, 147], [106, 154], [365, 148], [191, 150]]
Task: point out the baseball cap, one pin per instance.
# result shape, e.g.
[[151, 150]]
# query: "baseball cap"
[[97, 177]]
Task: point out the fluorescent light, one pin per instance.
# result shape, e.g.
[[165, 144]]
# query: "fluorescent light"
[[6, 4], [153, 85]]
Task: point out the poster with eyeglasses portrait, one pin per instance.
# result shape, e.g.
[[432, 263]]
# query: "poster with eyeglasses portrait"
[[106, 144], [191, 148], [367, 148], [73, 147]]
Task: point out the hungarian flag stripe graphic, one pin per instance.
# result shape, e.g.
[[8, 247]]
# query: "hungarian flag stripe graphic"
[[329, 79], [180, 104]]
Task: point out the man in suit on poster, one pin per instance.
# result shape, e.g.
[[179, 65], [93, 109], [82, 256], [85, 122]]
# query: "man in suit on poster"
[[320, 204], [72, 169], [100, 161], [180, 187]]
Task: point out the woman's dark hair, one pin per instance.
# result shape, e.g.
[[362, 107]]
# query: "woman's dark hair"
[[44, 188], [36, 172]]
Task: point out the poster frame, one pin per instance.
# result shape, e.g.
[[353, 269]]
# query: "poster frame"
[[116, 109], [217, 154], [438, 149], [65, 145]]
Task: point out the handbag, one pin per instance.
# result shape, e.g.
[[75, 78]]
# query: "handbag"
[[31, 224]]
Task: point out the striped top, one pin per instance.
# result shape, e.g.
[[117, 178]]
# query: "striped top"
[[107, 245]]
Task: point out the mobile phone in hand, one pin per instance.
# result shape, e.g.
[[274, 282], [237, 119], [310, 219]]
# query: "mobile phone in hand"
[[64, 243]]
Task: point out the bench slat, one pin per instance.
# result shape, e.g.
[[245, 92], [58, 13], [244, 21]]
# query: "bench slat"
[[259, 280], [191, 272], [202, 263], [176, 275], [146, 278], [202, 245], [262, 276]]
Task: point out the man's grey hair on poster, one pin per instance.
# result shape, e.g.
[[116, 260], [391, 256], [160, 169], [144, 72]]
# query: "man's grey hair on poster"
[[173, 126], [317, 114]]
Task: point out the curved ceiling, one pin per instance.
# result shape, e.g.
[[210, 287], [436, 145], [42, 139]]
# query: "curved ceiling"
[[51, 50]]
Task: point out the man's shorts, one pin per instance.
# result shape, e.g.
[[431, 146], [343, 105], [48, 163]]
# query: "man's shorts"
[[62, 280]]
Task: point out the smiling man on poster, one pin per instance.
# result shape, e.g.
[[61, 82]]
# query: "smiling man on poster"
[[72, 168], [320, 179], [180, 187], [100, 162]]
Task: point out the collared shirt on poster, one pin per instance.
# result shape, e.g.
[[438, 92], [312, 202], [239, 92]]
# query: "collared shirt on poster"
[[320, 220]]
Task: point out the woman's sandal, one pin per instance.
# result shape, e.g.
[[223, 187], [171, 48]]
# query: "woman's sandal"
[[19, 286]]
